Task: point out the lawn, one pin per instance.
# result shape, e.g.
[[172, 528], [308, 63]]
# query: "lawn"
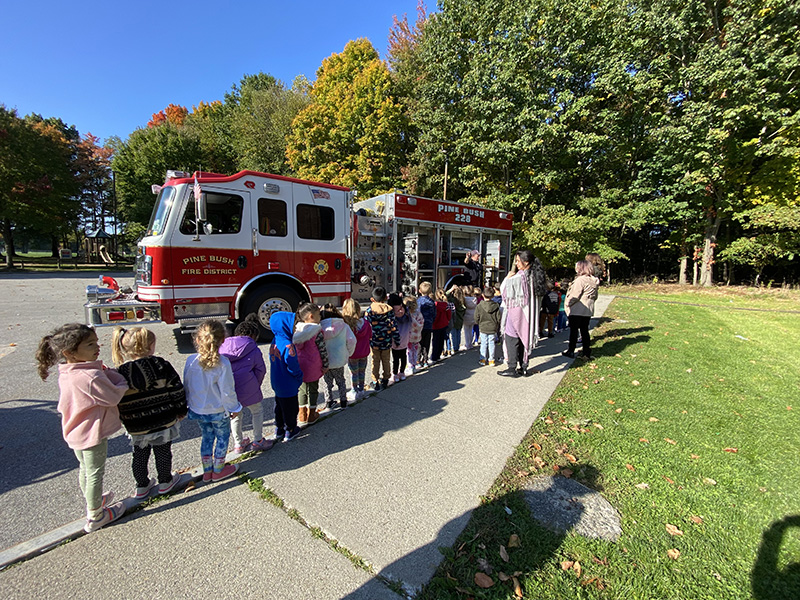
[[686, 423]]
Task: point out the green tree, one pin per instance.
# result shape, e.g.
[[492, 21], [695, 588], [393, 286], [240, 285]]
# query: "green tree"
[[352, 132]]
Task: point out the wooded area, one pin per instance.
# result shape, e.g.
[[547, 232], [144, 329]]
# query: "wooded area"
[[661, 134]]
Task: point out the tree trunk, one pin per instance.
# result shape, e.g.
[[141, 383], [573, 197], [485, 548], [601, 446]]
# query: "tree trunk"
[[682, 272], [8, 236], [709, 243], [54, 246], [694, 269]]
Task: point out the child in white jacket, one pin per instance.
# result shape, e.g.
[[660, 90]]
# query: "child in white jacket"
[[340, 342]]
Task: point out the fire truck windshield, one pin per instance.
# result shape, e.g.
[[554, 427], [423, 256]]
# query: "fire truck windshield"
[[161, 211]]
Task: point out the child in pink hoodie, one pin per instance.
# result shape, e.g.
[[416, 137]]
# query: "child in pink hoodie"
[[88, 399], [351, 313]]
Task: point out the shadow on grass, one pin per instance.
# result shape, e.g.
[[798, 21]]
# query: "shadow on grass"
[[769, 581]]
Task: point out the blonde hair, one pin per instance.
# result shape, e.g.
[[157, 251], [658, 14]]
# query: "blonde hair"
[[207, 340], [440, 295], [411, 304], [458, 293], [130, 343], [351, 313], [425, 288], [52, 347]]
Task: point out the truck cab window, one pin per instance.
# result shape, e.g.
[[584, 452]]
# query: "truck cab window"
[[315, 222], [272, 217], [224, 214]]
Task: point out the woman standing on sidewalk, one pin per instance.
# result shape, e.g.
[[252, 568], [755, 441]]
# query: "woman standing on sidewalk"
[[519, 315], [579, 305]]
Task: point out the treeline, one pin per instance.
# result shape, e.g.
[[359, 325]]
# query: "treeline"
[[661, 134]]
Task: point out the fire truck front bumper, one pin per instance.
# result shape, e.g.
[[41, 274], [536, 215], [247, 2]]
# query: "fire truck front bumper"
[[105, 307]]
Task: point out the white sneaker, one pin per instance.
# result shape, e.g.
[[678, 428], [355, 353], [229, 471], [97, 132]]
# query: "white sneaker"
[[352, 395], [402, 376], [396, 377]]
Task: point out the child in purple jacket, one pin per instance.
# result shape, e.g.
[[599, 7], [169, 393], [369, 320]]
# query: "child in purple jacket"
[[249, 370]]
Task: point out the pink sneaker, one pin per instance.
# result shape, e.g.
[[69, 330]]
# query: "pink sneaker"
[[226, 472], [263, 444], [110, 513], [243, 447]]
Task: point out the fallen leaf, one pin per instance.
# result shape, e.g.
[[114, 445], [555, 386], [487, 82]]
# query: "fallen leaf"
[[600, 562], [634, 382], [643, 486], [548, 420], [695, 456], [598, 426], [667, 479], [482, 580], [688, 370], [567, 473], [503, 553], [536, 446], [733, 450], [517, 587], [12, 344], [514, 541], [674, 553], [190, 486], [503, 577], [644, 440], [610, 401], [619, 410], [672, 530], [566, 565], [537, 460], [577, 568], [630, 467], [709, 481], [696, 520], [669, 441], [653, 420], [570, 458]]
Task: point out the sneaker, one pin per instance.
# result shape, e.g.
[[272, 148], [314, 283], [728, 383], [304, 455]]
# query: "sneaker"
[[106, 499], [352, 395], [110, 513], [491, 363], [343, 404], [482, 362], [384, 384], [360, 395], [376, 386], [290, 435], [206, 476], [166, 488], [243, 447], [402, 376], [143, 492], [262, 444], [334, 405], [279, 433], [568, 354], [226, 472], [396, 377]]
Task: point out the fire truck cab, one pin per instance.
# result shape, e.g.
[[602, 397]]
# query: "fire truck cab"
[[221, 247]]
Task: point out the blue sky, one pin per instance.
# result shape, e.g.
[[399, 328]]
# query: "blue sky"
[[106, 67]]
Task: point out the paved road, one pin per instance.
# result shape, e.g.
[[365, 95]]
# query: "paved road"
[[38, 480]]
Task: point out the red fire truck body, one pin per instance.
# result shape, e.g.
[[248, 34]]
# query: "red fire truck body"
[[221, 247]]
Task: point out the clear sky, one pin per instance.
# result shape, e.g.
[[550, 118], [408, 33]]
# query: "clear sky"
[[107, 66]]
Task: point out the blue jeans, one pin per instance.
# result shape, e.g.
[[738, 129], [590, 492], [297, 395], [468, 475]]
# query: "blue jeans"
[[455, 337], [488, 341], [216, 427]]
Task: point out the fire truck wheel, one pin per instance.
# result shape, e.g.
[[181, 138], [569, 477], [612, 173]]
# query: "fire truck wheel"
[[267, 300]]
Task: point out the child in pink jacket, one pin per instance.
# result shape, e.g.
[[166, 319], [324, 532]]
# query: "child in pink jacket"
[[88, 399]]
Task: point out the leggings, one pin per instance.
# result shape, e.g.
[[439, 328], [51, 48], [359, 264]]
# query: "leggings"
[[257, 410], [358, 368], [439, 336], [413, 354], [215, 433], [425, 344], [398, 361], [90, 477], [163, 456], [579, 323], [335, 375]]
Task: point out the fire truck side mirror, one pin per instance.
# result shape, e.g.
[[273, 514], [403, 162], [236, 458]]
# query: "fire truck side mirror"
[[200, 208]]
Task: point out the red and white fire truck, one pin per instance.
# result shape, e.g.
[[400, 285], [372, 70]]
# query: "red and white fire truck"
[[221, 247]]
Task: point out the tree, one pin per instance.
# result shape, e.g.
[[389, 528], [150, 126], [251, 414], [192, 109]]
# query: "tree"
[[352, 132]]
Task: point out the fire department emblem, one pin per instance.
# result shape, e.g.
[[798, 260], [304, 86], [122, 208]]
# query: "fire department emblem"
[[320, 267]]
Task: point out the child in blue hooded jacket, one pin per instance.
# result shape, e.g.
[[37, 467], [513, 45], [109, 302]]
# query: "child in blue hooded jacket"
[[284, 375]]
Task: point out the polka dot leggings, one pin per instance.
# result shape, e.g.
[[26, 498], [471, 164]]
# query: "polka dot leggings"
[[163, 456]]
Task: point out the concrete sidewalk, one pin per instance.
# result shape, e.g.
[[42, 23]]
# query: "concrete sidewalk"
[[391, 479]]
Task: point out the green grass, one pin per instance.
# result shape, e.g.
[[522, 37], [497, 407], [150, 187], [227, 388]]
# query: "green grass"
[[44, 262], [698, 403]]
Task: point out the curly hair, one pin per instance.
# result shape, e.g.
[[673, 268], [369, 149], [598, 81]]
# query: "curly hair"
[[207, 340], [130, 343], [52, 347], [249, 327]]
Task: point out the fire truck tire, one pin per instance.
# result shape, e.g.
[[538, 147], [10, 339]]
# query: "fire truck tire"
[[266, 300]]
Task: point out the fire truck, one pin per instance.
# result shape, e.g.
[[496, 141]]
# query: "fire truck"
[[222, 247]]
